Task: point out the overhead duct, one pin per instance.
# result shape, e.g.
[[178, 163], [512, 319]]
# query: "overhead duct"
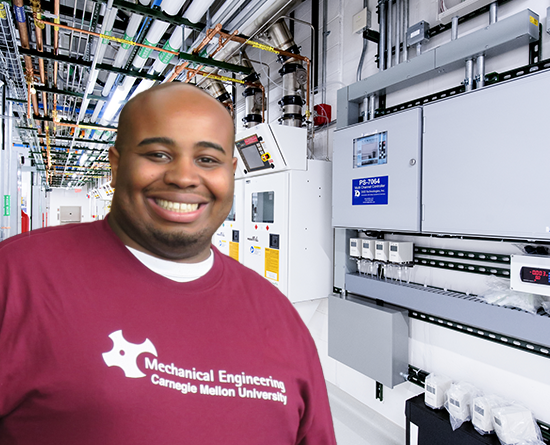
[[293, 73]]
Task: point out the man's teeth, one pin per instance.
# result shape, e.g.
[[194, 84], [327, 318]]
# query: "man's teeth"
[[180, 207]]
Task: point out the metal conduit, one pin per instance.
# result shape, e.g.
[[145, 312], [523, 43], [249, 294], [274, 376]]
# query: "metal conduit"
[[454, 28], [382, 43], [480, 78], [405, 27], [398, 26], [493, 9], [389, 31], [469, 78]]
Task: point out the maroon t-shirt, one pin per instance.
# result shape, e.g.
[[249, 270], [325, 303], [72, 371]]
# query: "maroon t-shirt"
[[96, 348]]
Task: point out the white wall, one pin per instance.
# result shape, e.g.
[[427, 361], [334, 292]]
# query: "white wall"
[[68, 197], [494, 368]]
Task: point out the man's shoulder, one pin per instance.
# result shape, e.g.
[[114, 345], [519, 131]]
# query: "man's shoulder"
[[57, 237]]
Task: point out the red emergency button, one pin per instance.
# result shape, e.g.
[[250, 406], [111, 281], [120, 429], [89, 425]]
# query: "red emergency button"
[[256, 226], [267, 227]]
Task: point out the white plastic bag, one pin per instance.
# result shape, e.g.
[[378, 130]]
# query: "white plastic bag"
[[499, 293], [435, 388], [482, 416], [545, 303], [458, 402], [515, 425]]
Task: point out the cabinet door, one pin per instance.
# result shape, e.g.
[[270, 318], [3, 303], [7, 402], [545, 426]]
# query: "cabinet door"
[[485, 161], [376, 174], [265, 244]]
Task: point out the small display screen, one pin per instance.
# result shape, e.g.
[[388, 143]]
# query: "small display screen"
[[380, 247], [370, 150], [535, 275], [252, 153], [393, 248], [263, 207], [253, 158]]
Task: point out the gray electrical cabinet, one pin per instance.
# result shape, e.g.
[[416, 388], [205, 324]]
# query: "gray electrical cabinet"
[[376, 173], [370, 339], [485, 161]]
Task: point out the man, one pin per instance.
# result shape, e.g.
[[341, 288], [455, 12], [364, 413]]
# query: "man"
[[134, 330]]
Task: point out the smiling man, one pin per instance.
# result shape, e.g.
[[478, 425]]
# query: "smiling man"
[[135, 330], [173, 172]]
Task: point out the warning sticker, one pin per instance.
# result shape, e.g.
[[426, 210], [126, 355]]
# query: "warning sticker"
[[234, 250], [264, 47], [272, 264], [370, 191]]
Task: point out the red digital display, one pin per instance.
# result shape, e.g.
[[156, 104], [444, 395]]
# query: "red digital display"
[[251, 140], [535, 275]]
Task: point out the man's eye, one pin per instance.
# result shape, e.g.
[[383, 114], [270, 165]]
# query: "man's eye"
[[159, 156], [207, 161]]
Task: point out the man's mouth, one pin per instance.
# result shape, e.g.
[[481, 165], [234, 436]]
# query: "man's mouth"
[[179, 207]]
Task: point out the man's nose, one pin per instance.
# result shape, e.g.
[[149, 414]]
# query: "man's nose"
[[182, 172]]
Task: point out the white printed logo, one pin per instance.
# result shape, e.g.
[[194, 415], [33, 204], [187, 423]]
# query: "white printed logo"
[[190, 380], [124, 354]]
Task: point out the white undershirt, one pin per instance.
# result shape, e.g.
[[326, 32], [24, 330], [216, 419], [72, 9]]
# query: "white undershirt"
[[180, 272]]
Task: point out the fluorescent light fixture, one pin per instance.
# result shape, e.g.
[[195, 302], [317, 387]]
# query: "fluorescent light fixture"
[[144, 85], [114, 104], [83, 159]]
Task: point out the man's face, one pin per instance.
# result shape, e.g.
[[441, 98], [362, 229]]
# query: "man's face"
[[173, 174]]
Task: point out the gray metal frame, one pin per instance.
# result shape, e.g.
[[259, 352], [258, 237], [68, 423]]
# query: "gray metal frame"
[[507, 34], [460, 308]]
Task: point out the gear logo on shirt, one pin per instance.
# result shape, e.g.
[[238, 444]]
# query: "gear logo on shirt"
[[124, 354]]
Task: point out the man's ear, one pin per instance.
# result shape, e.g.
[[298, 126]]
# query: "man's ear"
[[114, 157], [234, 165]]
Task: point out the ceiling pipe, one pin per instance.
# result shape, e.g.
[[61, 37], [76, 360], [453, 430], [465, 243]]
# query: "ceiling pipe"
[[256, 24], [227, 10], [123, 51], [193, 13], [56, 52], [110, 15], [21, 20], [40, 48], [155, 33]]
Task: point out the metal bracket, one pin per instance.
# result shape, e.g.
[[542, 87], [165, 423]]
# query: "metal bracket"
[[495, 337], [380, 391], [373, 36]]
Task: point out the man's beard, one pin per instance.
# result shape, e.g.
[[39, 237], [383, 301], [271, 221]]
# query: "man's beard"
[[169, 245]]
